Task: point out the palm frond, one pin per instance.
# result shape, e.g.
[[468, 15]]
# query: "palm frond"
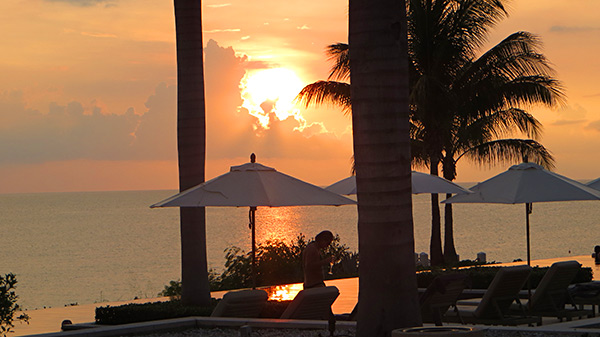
[[509, 151], [338, 54], [331, 92]]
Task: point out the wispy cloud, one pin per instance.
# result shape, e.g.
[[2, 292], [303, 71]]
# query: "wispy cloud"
[[573, 29], [87, 3], [303, 27], [562, 122], [218, 5], [228, 30], [100, 35], [595, 125]]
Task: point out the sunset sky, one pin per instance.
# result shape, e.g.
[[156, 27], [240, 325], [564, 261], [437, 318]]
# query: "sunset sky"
[[88, 90]]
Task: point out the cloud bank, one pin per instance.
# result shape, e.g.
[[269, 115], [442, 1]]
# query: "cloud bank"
[[69, 131]]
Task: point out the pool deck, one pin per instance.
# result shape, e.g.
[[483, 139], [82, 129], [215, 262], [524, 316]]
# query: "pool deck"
[[43, 321]]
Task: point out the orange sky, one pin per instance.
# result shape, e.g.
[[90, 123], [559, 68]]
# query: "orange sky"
[[88, 95]]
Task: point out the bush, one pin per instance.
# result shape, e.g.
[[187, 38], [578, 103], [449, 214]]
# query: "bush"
[[141, 312], [277, 262], [8, 303]]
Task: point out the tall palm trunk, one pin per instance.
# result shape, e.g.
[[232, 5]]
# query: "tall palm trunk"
[[379, 76], [450, 256], [435, 245], [191, 144]]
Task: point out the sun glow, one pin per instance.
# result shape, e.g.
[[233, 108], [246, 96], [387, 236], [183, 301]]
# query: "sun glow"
[[271, 91]]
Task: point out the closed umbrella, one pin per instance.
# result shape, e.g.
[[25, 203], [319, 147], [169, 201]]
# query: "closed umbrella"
[[253, 185], [526, 183], [421, 183]]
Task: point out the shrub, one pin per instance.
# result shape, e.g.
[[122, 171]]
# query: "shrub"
[[8, 303], [141, 312], [277, 262]]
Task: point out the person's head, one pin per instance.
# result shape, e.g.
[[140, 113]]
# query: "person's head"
[[324, 239]]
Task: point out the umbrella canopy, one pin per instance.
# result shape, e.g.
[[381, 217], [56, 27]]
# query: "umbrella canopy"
[[253, 185], [421, 183], [526, 183], [595, 184]]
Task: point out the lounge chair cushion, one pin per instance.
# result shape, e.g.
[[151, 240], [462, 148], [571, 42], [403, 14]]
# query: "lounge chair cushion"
[[313, 303], [242, 303]]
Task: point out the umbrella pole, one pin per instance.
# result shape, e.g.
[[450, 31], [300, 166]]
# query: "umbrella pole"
[[252, 225], [527, 212]]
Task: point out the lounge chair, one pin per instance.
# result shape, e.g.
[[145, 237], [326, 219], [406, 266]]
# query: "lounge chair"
[[551, 296], [313, 303], [442, 293], [493, 307], [242, 303]]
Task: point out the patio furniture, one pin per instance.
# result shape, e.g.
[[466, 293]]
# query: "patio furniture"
[[442, 293], [493, 307], [551, 296], [313, 303], [242, 303]]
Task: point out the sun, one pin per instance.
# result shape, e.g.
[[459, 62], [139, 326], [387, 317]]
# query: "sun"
[[271, 89]]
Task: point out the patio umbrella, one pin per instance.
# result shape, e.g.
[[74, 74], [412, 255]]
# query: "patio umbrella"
[[253, 185], [421, 183], [527, 183], [595, 184]]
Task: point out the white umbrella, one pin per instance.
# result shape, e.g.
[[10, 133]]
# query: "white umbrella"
[[421, 183], [527, 183], [253, 185], [595, 184]]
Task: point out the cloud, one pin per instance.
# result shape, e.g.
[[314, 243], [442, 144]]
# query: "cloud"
[[227, 30], [595, 125], [573, 29], [87, 3], [218, 5], [563, 122], [86, 131]]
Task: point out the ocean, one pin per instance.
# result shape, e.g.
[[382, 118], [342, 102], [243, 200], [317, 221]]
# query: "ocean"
[[95, 247]]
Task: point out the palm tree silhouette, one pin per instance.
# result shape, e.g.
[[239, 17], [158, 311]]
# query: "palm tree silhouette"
[[462, 106], [191, 146], [380, 120]]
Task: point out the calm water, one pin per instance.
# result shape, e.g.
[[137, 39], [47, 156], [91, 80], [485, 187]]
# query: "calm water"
[[109, 246]]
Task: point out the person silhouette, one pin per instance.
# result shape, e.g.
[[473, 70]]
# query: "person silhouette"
[[312, 262]]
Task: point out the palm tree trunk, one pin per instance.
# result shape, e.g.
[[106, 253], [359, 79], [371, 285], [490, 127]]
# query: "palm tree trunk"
[[379, 76], [191, 144], [450, 256], [435, 245]]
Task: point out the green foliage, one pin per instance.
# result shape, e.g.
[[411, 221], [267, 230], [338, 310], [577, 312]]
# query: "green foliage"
[[141, 312], [8, 304], [277, 262]]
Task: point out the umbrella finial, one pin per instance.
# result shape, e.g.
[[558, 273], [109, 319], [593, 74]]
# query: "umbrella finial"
[[253, 158]]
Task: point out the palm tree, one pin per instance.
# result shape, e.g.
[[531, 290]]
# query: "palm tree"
[[380, 110], [450, 89], [191, 144]]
